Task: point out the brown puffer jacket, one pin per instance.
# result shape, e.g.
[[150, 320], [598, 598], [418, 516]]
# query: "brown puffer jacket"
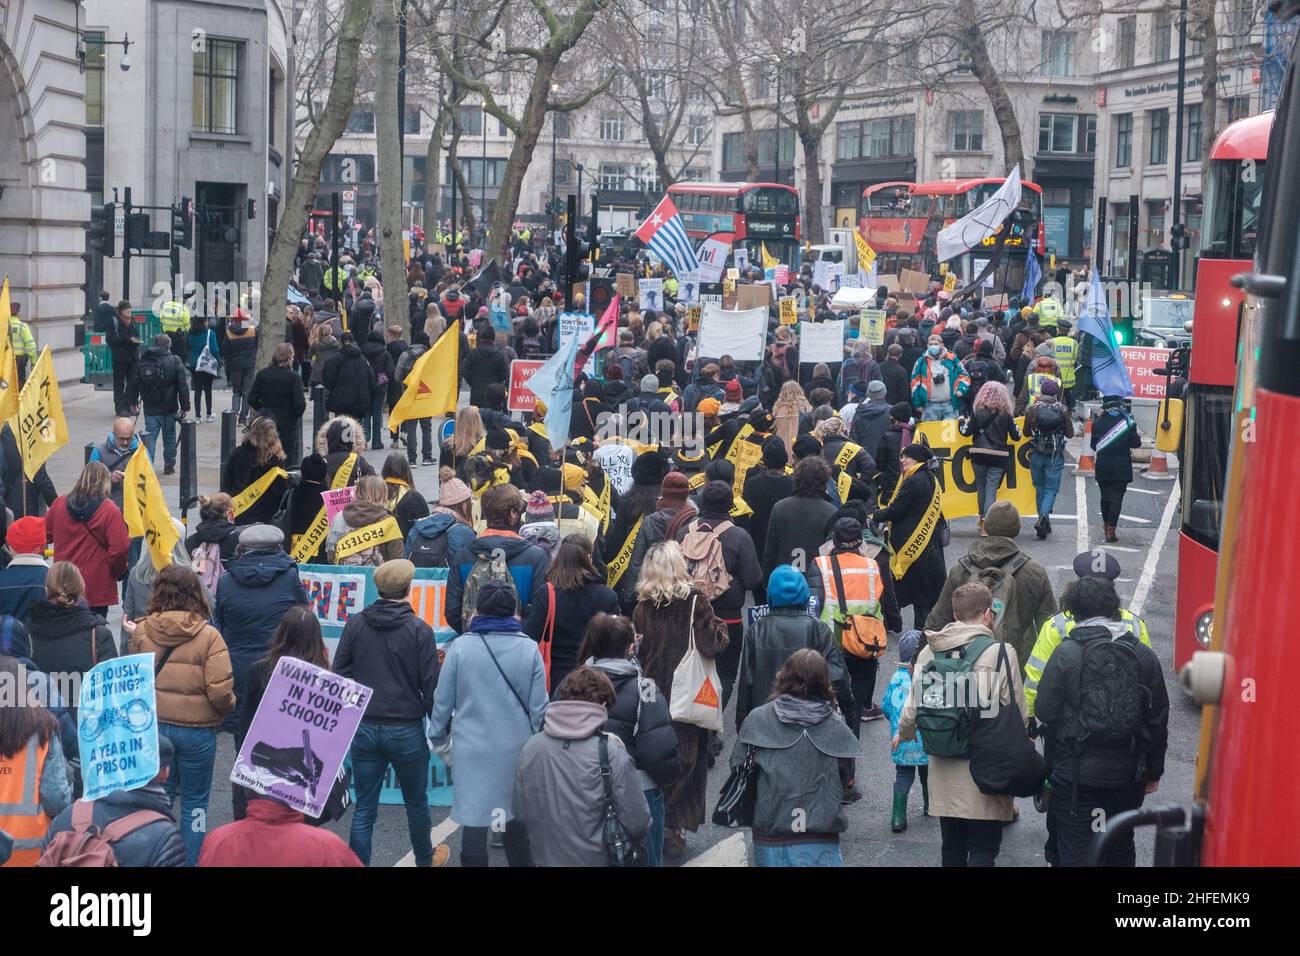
[[196, 687]]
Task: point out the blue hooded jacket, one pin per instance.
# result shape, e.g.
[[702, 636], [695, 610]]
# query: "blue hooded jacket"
[[526, 562], [459, 535]]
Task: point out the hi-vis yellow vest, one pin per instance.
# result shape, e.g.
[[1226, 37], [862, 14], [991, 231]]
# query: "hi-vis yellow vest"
[[1064, 350]]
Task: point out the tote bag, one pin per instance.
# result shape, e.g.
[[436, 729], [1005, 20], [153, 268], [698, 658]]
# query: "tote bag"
[[696, 697], [207, 362], [1003, 760]]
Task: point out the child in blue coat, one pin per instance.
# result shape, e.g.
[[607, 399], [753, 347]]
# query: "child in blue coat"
[[908, 757]]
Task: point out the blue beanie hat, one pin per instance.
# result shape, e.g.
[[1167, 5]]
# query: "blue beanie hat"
[[909, 645], [786, 587]]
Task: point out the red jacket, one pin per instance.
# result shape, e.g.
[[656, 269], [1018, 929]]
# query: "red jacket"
[[274, 835], [97, 546]]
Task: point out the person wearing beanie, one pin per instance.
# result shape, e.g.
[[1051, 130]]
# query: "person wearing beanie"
[[896, 437], [1114, 436], [618, 391], [709, 409], [538, 506], [1048, 425], [657, 526], [854, 395], [773, 638], [23, 580], [648, 399], [765, 485], [1026, 600], [915, 535], [447, 529], [909, 758], [492, 722]]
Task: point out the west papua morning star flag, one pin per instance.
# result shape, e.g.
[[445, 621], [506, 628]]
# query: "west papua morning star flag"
[[665, 234], [981, 223], [1108, 372]]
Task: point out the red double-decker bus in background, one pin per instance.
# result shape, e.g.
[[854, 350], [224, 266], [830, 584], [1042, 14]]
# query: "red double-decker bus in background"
[[901, 221], [1234, 189], [754, 213]]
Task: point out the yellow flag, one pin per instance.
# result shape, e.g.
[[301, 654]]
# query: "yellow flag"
[[144, 511], [866, 255], [8, 362], [433, 385], [769, 261], [42, 429]]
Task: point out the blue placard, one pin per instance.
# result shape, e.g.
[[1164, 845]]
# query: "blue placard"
[[117, 726]]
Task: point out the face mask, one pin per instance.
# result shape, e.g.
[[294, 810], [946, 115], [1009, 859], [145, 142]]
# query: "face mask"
[[935, 349]]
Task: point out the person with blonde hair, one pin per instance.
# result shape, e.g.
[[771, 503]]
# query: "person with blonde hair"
[[989, 426], [87, 530], [672, 614], [469, 432], [369, 508], [789, 412], [258, 454]]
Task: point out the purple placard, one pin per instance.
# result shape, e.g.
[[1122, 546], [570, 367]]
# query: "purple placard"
[[300, 734]]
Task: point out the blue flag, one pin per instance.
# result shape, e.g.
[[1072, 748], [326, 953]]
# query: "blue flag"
[[1033, 275], [1108, 372], [553, 384]]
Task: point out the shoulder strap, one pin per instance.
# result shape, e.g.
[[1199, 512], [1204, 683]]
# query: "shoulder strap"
[[548, 631], [128, 824], [605, 772], [162, 661], [83, 815], [839, 584], [1018, 562], [966, 563], [528, 714]]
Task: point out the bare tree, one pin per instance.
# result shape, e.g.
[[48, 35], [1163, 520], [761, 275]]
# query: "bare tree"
[[728, 81], [388, 144], [306, 177], [967, 31]]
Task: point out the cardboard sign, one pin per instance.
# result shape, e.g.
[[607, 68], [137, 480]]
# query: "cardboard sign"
[[625, 282], [950, 282], [871, 326], [521, 399], [788, 309], [889, 281], [753, 296], [117, 726], [733, 274], [909, 280], [336, 499], [741, 257], [300, 735], [821, 341], [957, 476], [1141, 364], [995, 301], [693, 316]]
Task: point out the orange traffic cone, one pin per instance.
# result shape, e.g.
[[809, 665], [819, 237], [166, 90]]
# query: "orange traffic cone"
[[1159, 467], [1087, 462]]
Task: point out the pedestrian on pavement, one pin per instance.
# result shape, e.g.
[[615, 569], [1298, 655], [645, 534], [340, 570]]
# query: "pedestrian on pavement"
[[991, 426], [797, 744], [195, 691], [115, 453], [87, 529], [375, 349], [1114, 436], [159, 384], [259, 454], [124, 348], [22, 582], [321, 347], [1048, 426], [639, 717], [1104, 710], [277, 394], [240, 349], [203, 336], [494, 682], [349, 381], [34, 779], [909, 758], [392, 651], [970, 821], [573, 772], [916, 531]]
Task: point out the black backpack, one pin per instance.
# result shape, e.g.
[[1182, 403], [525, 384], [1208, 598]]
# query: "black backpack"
[[1109, 709], [1049, 427], [430, 552], [151, 375]]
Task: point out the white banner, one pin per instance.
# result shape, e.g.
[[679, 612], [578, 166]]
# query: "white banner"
[[582, 325], [713, 258], [821, 341], [738, 334], [978, 224]]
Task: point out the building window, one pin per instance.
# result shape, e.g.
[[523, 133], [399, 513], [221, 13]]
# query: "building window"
[[1124, 140], [692, 172], [733, 150], [1158, 122], [1161, 36], [1127, 45], [411, 120], [1194, 132], [1058, 52], [1057, 132], [561, 128], [613, 176], [361, 121], [698, 131], [270, 113], [657, 86], [848, 140], [762, 85], [1155, 232], [1238, 106], [216, 87], [94, 46], [471, 120], [611, 128], [767, 154], [1090, 134], [502, 130], [966, 131], [875, 139], [476, 168], [562, 170]]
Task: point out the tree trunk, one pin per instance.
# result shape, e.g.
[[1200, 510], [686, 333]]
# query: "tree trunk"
[[433, 174], [751, 149], [971, 38], [810, 137], [306, 178], [655, 139], [1209, 31], [388, 143], [532, 117]]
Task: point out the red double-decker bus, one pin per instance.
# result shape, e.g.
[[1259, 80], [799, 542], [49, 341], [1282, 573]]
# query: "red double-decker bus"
[[901, 221], [1233, 193], [754, 213]]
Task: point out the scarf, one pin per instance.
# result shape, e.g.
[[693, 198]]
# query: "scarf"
[[491, 624], [801, 710]]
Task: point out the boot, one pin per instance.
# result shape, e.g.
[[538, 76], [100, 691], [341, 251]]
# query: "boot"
[[1111, 537], [898, 820], [1040, 528], [925, 798]]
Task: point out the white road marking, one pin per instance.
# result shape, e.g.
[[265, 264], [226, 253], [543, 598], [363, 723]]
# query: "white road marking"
[[1057, 517], [729, 852], [1144, 491], [1081, 512], [439, 834], [1135, 518], [1120, 547], [1153, 554]]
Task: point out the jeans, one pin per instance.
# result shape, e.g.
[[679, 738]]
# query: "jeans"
[[474, 850], [375, 420], [988, 478], [166, 424], [654, 836], [426, 433], [374, 748], [1112, 500], [919, 613], [241, 381], [1072, 819], [905, 774], [798, 854], [191, 777], [729, 660], [1046, 473], [937, 411], [969, 842]]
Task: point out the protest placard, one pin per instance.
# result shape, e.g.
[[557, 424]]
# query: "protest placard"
[[117, 726], [336, 499], [521, 398], [788, 309], [738, 334], [821, 341], [909, 280], [956, 475], [754, 296], [581, 324], [626, 285], [650, 294], [741, 257], [871, 326], [336, 592]]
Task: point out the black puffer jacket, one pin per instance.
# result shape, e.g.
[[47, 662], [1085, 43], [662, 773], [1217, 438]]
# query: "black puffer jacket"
[[172, 392], [989, 432], [640, 719], [350, 381], [485, 365], [221, 531], [68, 639]]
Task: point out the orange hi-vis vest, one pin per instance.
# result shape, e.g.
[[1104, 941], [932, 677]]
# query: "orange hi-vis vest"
[[855, 617], [21, 813]]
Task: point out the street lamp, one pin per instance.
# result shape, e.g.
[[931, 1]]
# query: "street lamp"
[[555, 119], [124, 43]]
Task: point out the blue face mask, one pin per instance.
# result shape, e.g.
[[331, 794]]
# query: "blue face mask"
[[935, 350]]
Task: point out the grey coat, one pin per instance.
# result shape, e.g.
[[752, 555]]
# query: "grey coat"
[[559, 795], [490, 726]]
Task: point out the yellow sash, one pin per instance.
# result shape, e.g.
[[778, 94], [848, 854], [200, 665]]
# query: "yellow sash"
[[904, 557], [372, 535], [844, 485], [847, 453], [597, 506], [618, 567], [306, 544], [740, 508], [253, 493], [696, 481]]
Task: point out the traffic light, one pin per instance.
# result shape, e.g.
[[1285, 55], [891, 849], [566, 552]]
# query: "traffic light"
[[137, 230], [100, 236], [1178, 236], [602, 293], [183, 224]]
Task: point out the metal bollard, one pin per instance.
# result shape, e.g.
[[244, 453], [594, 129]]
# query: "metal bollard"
[[90, 450], [318, 413], [228, 424], [189, 456]]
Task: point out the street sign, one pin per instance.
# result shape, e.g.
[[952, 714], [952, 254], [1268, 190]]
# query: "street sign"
[[521, 399], [349, 204], [119, 223], [1141, 364]]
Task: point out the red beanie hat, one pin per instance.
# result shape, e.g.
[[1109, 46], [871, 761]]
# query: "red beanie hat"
[[26, 536]]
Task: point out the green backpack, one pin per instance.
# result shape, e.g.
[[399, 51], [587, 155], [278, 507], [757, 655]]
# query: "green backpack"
[[949, 702]]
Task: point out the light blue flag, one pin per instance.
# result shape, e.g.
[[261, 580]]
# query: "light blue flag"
[[1108, 372], [553, 384], [1033, 275]]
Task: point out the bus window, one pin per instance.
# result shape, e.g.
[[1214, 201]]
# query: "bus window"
[[1209, 427], [780, 202], [1232, 209]]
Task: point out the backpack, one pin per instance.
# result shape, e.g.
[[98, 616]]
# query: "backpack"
[[702, 549], [1001, 582], [628, 364], [86, 845], [430, 552], [946, 713], [206, 563], [530, 346], [152, 378], [1049, 427], [1109, 707], [487, 567]]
